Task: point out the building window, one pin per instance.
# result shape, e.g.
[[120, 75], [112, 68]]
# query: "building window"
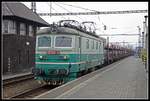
[[5, 26], [12, 27], [38, 28], [31, 30], [87, 44], [22, 29], [9, 27], [34, 30]]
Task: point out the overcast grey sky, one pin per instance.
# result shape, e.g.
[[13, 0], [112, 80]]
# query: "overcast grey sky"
[[125, 23]]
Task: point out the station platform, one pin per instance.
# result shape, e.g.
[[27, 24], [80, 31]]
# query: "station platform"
[[124, 79]]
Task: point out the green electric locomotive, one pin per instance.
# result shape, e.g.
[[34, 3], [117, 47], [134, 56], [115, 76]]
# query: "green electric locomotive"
[[66, 50]]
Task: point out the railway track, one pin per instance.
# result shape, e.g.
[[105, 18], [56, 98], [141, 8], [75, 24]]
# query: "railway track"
[[23, 87], [34, 92], [17, 79], [15, 86]]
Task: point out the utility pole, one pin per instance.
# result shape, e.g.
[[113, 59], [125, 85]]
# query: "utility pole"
[[33, 7], [142, 39], [108, 50], [104, 27], [146, 42], [139, 40], [146, 32], [50, 9]]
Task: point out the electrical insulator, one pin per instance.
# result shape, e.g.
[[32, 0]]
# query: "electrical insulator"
[[104, 27]]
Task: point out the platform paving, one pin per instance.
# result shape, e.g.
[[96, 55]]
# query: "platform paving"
[[127, 79]]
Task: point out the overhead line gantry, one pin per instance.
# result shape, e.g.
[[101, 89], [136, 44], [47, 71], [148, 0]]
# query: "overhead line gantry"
[[93, 13]]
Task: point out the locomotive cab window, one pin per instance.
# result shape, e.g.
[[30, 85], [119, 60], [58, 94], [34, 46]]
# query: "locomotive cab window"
[[87, 44], [96, 45], [100, 45], [63, 41], [93, 45], [44, 41]]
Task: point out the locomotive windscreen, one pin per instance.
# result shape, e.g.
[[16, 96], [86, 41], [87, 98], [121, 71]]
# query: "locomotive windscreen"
[[63, 41], [44, 41]]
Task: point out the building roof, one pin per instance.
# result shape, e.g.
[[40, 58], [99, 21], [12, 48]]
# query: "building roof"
[[20, 10]]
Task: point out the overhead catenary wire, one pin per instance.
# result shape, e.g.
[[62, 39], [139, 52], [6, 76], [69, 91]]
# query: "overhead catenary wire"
[[123, 42], [79, 7], [55, 10], [94, 12], [82, 8], [118, 34], [68, 10], [100, 21], [85, 9]]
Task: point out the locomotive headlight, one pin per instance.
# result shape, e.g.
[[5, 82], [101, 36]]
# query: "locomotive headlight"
[[66, 57], [41, 57]]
